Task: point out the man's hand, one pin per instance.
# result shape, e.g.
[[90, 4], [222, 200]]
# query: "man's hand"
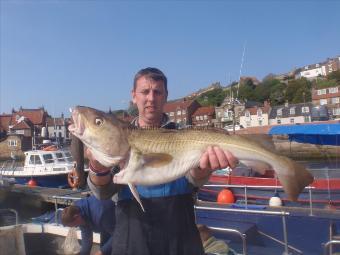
[[214, 158]]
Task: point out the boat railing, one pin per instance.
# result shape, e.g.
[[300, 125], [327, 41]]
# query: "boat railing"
[[8, 165], [11, 211], [235, 231], [245, 187], [329, 244], [283, 215]]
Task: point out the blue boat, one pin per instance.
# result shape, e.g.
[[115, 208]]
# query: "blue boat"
[[252, 225]]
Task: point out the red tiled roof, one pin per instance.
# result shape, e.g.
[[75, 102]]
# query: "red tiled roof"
[[5, 121], [36, 116], [176, 105], [208, 110], [25, 124]]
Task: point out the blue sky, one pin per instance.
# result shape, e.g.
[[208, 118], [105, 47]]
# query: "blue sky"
[[60, 53]]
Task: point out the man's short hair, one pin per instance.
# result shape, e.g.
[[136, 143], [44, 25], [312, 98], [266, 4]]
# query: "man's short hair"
[[151, 73], [67, 215]]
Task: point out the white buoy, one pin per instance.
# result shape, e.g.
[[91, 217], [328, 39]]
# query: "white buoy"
[[43, 132], [275, 201]]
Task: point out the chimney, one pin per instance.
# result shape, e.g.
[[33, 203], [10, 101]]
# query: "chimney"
[[286, 103]]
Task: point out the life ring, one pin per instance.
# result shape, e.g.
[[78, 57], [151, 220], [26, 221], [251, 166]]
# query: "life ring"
[[50, 148], [73, 179]]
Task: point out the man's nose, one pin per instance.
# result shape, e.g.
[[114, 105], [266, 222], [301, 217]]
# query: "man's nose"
[[151, 95]]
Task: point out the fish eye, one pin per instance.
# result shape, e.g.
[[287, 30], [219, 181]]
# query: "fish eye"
[[98, 121]]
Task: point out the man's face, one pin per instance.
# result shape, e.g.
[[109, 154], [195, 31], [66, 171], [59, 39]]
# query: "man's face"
[[150, 97]]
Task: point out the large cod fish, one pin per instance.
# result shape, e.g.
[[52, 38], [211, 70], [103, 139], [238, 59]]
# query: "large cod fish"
[[157, 156]]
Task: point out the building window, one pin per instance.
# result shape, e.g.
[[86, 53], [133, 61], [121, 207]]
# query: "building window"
[[323, 101], [247, 113], [248, 123], [333, 90], [306, 118], [179, 112], [171, 113], [292, 121], [260, 122], [278, 121], [336, 111], [205, 117], [279, 112], [197, 117], [219, 114], [321, 92], [12, 143], [305, 109], [185, 120], [183, 112], [335, 100], [259, 112], [292, 110], [201, 117]]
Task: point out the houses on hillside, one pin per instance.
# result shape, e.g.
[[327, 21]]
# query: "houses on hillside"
[[329, 97], [319, 69]]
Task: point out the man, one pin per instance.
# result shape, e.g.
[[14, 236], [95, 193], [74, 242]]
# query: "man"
[[92, 215], [167, 227]]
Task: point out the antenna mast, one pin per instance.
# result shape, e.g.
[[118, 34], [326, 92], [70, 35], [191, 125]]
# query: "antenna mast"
[[239, 78]]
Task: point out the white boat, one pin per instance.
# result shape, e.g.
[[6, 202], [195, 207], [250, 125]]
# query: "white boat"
[[47, 168]]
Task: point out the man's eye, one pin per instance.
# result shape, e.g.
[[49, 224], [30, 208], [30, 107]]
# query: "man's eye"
[[158, 93], [98, 121]]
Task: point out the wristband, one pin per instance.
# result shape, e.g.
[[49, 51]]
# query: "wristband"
[[92, 172]]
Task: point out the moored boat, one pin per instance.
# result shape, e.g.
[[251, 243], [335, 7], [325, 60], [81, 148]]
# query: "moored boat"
[[48, 167]]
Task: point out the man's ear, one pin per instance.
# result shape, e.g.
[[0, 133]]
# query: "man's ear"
[[133, 96]]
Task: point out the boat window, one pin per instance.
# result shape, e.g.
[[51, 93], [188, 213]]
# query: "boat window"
[[35, 160], [68, 156], [60, 157], [48, 158]]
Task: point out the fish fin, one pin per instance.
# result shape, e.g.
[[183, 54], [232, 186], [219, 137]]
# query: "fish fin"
[[258, 166], [294, 178], [156, 160], [136, 195]]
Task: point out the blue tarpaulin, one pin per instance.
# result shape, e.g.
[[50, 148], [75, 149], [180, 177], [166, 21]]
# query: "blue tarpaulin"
[[324, 134]]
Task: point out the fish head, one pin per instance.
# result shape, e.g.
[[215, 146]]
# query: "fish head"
[[103, 133]]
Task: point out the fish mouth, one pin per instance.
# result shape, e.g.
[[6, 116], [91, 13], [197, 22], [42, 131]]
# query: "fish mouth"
[[78, 127]]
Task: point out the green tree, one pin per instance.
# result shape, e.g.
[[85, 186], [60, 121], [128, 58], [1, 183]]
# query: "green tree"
[[334, 76], [298, 91], [212, 98]]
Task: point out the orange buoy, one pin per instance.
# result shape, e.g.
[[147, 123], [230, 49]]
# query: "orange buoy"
[[225, 196], [32, 183]]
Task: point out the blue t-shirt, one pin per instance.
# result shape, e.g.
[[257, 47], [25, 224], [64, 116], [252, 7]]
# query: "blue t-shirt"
[[99, 216]]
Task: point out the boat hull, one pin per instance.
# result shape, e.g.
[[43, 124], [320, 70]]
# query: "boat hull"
[[51, 181], [323, 192]]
